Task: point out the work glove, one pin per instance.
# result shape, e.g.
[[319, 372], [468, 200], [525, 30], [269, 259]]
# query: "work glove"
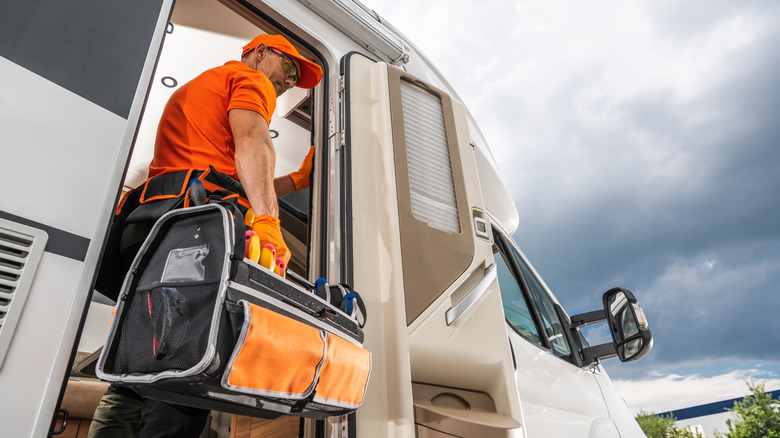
[[268, 230], [302, 176]]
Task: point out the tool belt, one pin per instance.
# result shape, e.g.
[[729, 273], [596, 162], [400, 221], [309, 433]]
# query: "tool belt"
[[141, 207], [199, 326]]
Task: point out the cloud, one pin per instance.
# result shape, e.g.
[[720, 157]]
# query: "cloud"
[[713, 307], [669, 392]]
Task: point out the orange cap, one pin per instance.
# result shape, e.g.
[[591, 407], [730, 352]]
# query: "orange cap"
[[309, 74]]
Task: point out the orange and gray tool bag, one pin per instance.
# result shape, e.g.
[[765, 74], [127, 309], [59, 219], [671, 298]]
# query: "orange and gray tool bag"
[[199, 325]]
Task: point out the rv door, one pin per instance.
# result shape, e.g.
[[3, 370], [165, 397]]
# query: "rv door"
[[74, 79], [417, 240]]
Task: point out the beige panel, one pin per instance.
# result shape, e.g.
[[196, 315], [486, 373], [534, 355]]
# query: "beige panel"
[[432, 259], [387, 410], [472, 354], [461, 413]]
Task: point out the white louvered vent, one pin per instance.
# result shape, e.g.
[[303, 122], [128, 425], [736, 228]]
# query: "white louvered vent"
[[428, 157], [20, 252]]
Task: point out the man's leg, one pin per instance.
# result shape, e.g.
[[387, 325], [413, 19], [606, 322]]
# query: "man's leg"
[[117, 415], [166, 420]]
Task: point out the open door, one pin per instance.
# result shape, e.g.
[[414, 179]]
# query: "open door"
[[75, 75], [421, 256]]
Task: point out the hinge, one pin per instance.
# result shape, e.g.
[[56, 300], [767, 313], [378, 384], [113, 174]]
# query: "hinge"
[[331, 118], [342, 112]]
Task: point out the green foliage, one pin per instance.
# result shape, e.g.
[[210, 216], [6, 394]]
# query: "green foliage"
[[656, 426], [757, 416]]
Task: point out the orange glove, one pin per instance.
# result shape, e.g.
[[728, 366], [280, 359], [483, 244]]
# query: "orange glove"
[[267, 229], [301, 176]]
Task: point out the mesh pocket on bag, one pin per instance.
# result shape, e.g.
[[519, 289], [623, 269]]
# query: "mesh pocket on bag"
[[164, 328]]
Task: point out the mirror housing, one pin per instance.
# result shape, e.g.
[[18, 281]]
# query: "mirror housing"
[[627, 324], [631, 337]]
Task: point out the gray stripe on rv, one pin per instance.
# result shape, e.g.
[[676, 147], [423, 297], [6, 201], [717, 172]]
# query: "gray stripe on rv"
[[94, 48], [60, 242]]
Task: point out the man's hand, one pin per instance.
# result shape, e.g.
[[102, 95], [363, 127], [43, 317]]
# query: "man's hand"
[[302, 176], [298, 180], [268, 231]]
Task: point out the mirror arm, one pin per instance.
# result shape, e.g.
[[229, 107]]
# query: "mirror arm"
[[581, 320], [603, 351]]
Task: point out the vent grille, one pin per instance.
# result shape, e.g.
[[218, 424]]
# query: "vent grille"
[[428, 157], [21, 248]]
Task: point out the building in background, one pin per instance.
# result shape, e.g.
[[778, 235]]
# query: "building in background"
[[709, 417]]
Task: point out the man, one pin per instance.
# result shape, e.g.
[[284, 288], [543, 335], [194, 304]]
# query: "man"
[[221, 118], [218, 119]]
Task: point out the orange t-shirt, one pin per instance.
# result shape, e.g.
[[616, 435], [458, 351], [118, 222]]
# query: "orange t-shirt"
[[194, 130]]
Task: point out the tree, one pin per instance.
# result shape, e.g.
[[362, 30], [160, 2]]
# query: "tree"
[[656, 426], [757, 416]]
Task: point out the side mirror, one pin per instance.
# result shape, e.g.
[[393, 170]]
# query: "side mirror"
[[628, 324], [631, 337]]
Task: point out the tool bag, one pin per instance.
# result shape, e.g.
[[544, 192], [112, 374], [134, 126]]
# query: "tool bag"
[[199, 325], [141, 207]]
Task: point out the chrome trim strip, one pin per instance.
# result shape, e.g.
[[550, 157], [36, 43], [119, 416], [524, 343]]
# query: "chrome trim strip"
[[459, 309]]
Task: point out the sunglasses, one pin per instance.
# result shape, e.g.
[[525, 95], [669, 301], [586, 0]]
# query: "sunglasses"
[[290, 70]]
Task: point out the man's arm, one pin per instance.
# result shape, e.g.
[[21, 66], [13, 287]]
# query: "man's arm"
[[255, 160], [297, 180], [284, 185]]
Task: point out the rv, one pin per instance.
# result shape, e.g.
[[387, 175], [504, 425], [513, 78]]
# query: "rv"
[[406, 205]]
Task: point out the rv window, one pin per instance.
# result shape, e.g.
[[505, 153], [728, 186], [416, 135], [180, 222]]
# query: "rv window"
[[516, 309], [546, 308]]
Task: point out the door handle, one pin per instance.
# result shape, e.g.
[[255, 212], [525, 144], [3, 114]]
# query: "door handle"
[[459, 309]]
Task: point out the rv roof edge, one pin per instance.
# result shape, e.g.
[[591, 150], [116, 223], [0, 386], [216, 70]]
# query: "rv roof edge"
[[353, 19]]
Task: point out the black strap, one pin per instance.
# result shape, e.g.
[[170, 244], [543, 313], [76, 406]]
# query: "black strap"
[[298, 407], [224, 180]]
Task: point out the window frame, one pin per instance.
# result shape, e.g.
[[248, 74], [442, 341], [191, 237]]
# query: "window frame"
[[500, 243], [504, 243]]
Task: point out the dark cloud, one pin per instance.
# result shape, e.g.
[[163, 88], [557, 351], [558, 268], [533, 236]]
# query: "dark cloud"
[[712, 197]]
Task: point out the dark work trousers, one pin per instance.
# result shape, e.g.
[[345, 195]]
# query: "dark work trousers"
[[165, 420], [122, 410]]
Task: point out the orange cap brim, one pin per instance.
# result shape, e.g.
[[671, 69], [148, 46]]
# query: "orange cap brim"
[[309, 75]]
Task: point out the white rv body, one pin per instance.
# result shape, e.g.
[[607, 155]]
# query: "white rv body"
[[446, 358]]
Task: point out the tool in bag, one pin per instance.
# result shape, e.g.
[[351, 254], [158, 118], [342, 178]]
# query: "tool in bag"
[[344, 298], [200, 325]]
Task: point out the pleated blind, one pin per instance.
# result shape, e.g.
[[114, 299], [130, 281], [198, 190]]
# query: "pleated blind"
[[428, 157]]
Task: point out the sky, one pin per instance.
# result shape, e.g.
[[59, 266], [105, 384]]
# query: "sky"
[[640, 141]]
